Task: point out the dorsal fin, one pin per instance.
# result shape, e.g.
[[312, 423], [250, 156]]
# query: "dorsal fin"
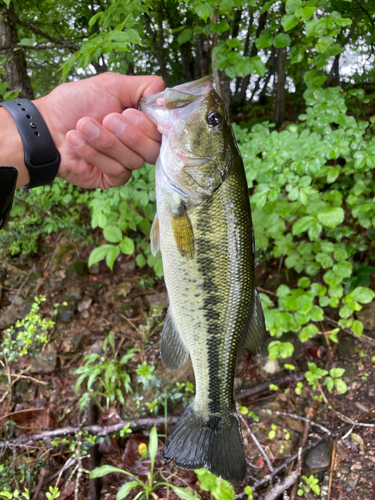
[[173, 349], [255, 334]]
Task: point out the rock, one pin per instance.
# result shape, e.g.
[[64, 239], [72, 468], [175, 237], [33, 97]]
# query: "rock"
[[97, 347], [367, 316], [25, 390], [124, 288], [127, 309], [84, 304], [9, 318], [269, 366], [45, 362], [25, 309], [159, 299], [77, 270], [352, 480], [72, 343], [74, 291], [128, 266], [64, 254], [68, 308], [319, 458], [85, 315], [94, 269]]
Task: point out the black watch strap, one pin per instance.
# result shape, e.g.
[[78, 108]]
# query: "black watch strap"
[[41, 156]]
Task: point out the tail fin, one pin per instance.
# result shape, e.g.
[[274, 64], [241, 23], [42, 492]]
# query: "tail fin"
[[215, 444]]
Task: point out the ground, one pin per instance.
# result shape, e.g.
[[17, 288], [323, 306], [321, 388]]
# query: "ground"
[[87, 306]]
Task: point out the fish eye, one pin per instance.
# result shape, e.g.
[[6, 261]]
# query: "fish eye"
[[213, 118]]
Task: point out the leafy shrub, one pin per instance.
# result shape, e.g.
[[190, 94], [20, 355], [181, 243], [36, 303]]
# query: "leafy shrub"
[[125, 214], [42, 211], [313, 207]]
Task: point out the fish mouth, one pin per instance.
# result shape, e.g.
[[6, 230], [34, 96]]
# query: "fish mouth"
[[163, 107]]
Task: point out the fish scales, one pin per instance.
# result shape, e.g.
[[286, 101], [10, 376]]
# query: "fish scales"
[[205, 234]]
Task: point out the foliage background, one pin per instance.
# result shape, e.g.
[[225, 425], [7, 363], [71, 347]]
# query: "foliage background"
[[298, 77]]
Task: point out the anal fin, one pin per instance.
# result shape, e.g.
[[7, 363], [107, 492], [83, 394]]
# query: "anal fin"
[[255, 334], [173, 349]]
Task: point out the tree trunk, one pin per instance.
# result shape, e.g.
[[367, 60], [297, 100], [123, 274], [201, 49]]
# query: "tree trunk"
[[253, 53], [159, 50], [202, 48], [15, 65], [279, 88]]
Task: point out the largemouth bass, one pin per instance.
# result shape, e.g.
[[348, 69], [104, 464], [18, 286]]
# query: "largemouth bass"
[[204, 230]]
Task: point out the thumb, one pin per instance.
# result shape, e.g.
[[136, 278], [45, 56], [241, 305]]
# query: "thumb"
[[129, 89]]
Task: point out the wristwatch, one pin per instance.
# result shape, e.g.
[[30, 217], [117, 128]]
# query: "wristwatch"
[[41, 156]]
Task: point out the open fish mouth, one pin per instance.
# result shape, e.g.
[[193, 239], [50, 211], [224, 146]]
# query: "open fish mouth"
[[165, 107]]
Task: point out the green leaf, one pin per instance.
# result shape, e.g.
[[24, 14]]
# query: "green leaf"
[[99, 253], [204, 10], [207, 479], [331, 217], [107, 469], [357, 327], [111, 256], [112, 234], [127, 246], [293, 5], [363, 294], [7, 2], [264, 40], [140, 260], [282, 40], [302, 224], [185, 36], [283, 291], [153, 444], [183, 493], [341, 386], [289, 21], [124, 491], [308, 332]]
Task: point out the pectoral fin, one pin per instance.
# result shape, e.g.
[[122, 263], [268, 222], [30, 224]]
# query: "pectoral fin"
[[155, 236], [255, 334], [183, 232], [173, 349]]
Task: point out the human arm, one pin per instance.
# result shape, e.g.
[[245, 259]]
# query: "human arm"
[[74, 109]]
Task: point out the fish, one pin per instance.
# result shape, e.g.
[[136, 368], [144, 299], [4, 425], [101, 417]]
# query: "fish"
[[204, 230]]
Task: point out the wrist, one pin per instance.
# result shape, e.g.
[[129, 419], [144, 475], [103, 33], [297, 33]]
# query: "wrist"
[[12, 153]]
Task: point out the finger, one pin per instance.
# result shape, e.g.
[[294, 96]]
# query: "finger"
[[129, 89], [140, 120], [133, 137], [106, 142], [116, 173]]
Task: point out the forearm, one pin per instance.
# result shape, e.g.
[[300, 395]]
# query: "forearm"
[[11, 147]]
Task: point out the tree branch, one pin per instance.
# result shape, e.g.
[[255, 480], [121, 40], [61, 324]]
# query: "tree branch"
[[98, 430]]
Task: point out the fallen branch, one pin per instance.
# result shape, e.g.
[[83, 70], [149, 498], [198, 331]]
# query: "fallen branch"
[[98, 430], [265, 386], [277, 490], [296, 417], [349, 332]]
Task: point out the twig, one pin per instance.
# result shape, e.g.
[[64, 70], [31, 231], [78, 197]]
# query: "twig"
[[336, 433], [259, 446], [69, 463], [43, 473], [265, 386], [265, 291], [332, 469], [349, 332], [282, 486], [296, 417], [132, 324], [98, 430]]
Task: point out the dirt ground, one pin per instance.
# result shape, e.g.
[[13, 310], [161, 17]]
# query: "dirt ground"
[[126, 301]]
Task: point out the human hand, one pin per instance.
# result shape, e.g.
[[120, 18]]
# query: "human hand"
[[100, 143]]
